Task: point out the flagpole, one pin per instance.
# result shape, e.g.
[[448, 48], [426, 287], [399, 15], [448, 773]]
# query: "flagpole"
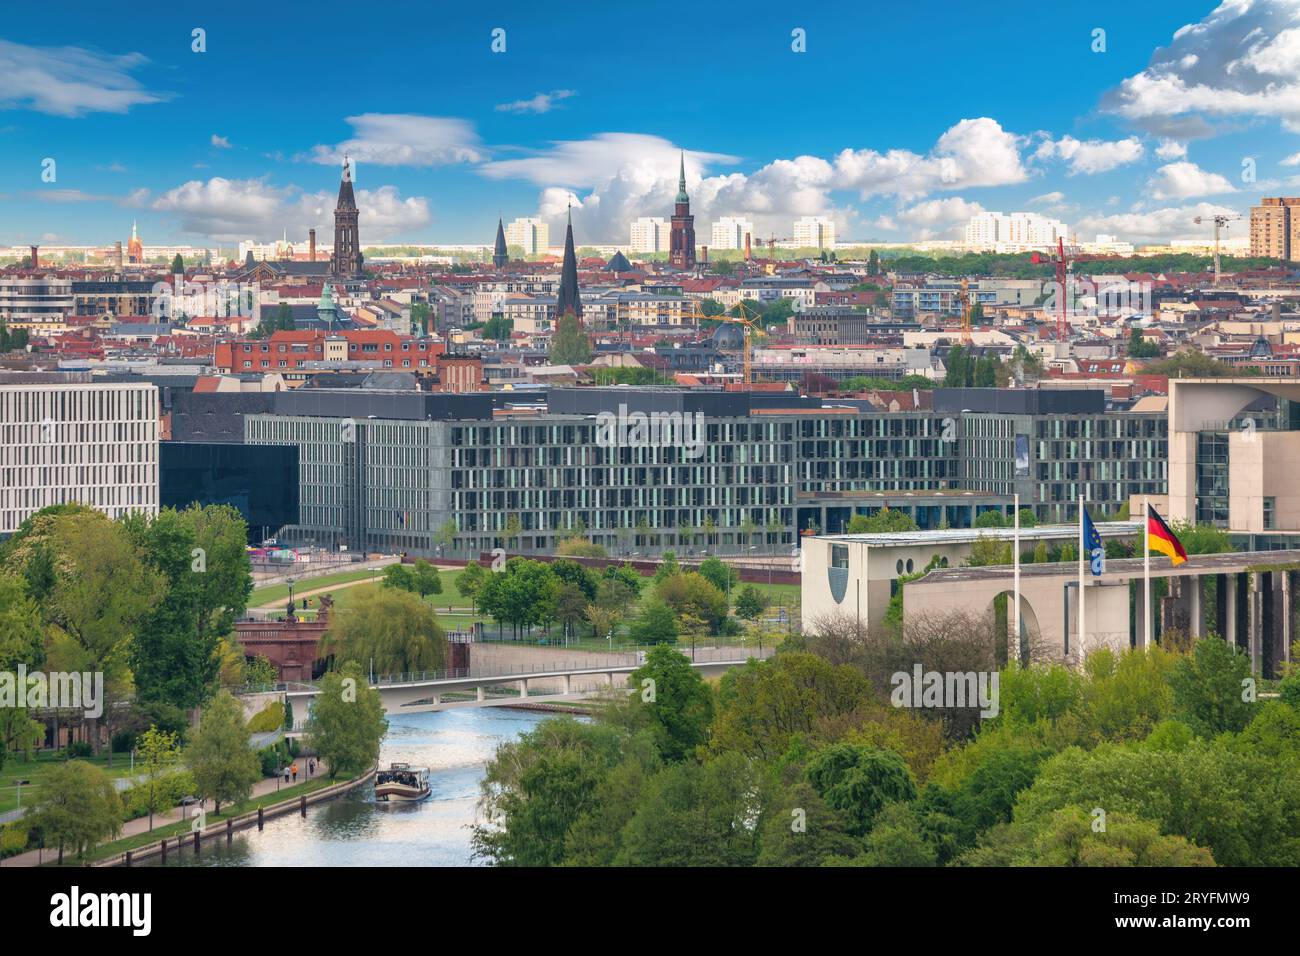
[[1015, 612], [1083, 504], [1146, 570]]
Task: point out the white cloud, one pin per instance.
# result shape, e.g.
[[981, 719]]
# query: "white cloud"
[[626, 175], [1155, 225], [69, 196], [401, 139], [1091, 156], [221, 142], [1171, 149], [1186, 180], [1241, 60], [70, 81], [974, 152], [937, 218], [1051, 198], [228, 210], [1292, 160], [541, 103]]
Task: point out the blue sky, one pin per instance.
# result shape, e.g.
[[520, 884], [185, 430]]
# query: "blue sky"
[[899, 120]]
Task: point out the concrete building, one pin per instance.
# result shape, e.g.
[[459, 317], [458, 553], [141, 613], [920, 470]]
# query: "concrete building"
[[729, 232], [1275, 228], [96, 444], [649, 234], [533, 235], [815, 231], [35, 304], [1014, 232]]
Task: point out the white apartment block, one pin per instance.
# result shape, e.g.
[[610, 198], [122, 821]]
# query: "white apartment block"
[[729, 232], [649, 234], [534, 235], [815, 231], [1016, 232], [96, 444], [35, 304]]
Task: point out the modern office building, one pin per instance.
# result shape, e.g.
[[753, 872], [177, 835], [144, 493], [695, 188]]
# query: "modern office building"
[[428, 474], [533, 235], [260, 481], [35, 303], [96, 444]]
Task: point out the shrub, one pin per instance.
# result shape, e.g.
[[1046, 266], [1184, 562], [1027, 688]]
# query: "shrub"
[[271, 717]]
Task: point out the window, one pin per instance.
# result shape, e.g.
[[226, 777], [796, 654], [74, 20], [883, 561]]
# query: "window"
[[839, 556]]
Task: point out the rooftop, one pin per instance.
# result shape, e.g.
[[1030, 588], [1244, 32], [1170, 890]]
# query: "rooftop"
[[1056, 532]]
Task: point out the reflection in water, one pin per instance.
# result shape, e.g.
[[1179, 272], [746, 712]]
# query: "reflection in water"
[[353, 831]]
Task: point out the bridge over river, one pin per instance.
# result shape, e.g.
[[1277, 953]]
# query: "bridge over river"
[[542, 681]]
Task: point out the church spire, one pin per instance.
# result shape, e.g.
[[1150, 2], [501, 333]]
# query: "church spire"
[[346, 259], [681, 181], [567, 299], [500, 256]]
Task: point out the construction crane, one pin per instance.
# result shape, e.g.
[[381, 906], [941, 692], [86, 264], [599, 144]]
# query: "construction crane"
[[750, 325], [965, 313], [1061, 265], [1219, 223]]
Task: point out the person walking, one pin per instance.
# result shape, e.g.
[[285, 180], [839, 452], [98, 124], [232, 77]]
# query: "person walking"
[[294, 769]]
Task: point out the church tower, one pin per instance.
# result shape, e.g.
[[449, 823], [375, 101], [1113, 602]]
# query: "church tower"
[[499, 254], [345, 261], [681, 239], [566, 297]]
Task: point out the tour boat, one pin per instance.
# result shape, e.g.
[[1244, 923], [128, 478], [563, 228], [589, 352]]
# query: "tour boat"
[[401, 783]]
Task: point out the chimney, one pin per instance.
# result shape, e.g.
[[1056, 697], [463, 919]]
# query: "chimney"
[[117, 255], [311, 245], [704, 255], [746, 247], [36, 260]]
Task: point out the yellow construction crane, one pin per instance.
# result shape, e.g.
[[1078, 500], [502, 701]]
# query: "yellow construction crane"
[[750, 325], [965, 313]]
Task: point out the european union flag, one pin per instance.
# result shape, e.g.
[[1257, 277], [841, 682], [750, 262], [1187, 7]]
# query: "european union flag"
[[1096, 551]]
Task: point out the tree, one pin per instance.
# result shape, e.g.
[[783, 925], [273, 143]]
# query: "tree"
[[1208, 688], [103, 591], [446, 534], [677, 700], [200, 553], [225, 768], [569, 343], [398, 577], [897, 839], [884, 521], [802, 830], [570, 606], [1069, 838], [1139, 347], [347, 722], [722, 576], [657, 624], [860, 781], [77, 806], [157, 752], [178, 265], [424, 578], [993, 518], [523, 595], [692, 593], [420, 313], [873, 263], [750, 602], [471, 580], [391, 631], [668, 567]]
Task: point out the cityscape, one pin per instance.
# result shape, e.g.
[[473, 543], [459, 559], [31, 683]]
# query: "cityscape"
[[517, 449]]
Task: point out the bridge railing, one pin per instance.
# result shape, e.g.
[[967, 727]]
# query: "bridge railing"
[[620, 661]]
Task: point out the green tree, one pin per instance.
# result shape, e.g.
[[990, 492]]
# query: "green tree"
[[897, 839], [224, 766], [692, 593], [657, 624], [721, 575], [77, 806], [347, 722], [1209, 687], [750, 602], [676, 699], [392, 631], [157, 752], [471, 580], [885, 521], [860, 781], [569, 343]]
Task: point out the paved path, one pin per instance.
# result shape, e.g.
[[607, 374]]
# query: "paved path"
[[141, 824]]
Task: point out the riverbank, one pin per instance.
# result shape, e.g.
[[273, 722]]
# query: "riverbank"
[[179, 837]]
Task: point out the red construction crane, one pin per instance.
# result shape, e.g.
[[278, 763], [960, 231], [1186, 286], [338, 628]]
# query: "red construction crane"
[[1060, 262]]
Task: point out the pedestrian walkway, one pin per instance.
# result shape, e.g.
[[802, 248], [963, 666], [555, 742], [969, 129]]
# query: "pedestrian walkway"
[[267, 786]]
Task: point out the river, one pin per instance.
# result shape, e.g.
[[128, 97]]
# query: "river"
[[455, 745]]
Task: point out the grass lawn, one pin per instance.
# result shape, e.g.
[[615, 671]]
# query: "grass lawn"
[[279, 593], [38, 767]]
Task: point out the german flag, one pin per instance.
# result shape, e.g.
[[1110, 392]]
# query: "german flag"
[[1160, 538]]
